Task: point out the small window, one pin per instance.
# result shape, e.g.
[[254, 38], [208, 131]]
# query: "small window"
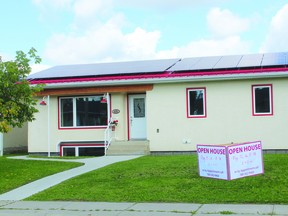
[[196, 102], [69, 151], [82, 150], [91, 151], [139, 107], [262, 100], [77, 112]]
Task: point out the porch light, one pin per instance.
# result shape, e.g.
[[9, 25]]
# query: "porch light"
[[104, 99], [43, 102]]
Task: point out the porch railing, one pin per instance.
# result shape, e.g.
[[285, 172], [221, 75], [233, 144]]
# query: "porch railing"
[[107, 137]]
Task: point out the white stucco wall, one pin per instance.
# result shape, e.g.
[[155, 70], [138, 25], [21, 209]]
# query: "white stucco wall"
[[16, 139], [119, 101], [229, 116]]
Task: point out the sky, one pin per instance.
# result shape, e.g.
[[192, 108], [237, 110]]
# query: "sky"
[[92, 31]]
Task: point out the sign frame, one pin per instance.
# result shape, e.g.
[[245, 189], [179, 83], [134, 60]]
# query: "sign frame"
[[230, 161]]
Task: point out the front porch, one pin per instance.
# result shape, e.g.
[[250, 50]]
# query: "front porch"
[[131, 147]]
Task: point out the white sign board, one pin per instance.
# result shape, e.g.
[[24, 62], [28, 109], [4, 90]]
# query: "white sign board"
[[245, 160], [230, 161], [212, 161]]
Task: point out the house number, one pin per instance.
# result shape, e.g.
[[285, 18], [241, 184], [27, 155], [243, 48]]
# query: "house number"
[[115, 111]]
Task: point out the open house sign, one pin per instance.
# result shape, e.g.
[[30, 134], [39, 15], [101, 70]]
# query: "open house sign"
[[230, 161]]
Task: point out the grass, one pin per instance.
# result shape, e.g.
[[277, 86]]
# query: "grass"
[[15, 173], [172, 179], [61, 157]]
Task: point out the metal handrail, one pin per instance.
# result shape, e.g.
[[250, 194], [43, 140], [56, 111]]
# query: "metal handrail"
[[107, 132], [107, 137]]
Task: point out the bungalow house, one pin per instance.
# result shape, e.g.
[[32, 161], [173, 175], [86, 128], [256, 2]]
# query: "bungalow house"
[[161, 106]]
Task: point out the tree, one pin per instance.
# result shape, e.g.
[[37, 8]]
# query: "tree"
[[17, 102]]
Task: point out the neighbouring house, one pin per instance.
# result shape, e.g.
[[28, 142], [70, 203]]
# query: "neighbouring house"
[[14, 141], [161, 106]]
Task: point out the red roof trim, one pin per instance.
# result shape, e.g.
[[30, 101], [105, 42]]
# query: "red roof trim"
[[163, 75]]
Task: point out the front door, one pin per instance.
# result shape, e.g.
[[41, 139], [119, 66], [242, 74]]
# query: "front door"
[[137, 116]]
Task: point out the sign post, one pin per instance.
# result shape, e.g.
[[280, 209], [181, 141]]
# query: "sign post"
[[230, 161]]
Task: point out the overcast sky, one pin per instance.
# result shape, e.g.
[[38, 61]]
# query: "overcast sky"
[[91, 31]]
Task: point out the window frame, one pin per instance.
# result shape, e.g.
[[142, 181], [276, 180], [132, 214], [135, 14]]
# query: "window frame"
[[75, 127], [77, 147], [254, 112], [188, 90]]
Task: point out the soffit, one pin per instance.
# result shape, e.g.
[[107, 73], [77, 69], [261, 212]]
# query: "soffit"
[[96, 90]]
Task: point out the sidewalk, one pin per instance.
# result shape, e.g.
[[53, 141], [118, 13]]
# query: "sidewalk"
[[133, 209]]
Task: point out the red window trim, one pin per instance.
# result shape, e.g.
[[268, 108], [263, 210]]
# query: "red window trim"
[[271, 113], [204, 103]]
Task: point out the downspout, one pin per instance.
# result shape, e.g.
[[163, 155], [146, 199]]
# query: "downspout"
[[108, 126], [107, 130], [108, 107], [48, 124], [1, 144]]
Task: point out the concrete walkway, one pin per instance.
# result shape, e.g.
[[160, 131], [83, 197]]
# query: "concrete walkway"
[[90, 164], [23, 208]]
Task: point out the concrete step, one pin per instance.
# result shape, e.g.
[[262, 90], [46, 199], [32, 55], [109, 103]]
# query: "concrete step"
[[139, 147]]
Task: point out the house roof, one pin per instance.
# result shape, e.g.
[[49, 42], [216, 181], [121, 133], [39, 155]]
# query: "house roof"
[[165, 69], [105, 69]]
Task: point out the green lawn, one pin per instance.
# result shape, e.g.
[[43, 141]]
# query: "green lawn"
[[14, 173], [60, 157], [173, 179]]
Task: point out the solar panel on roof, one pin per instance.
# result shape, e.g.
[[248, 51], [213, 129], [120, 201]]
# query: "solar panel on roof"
[[161, 66], [252, 60], [272, 59], [206, 63], [227, 62], [185, 64], [116, 68], [197, 63]]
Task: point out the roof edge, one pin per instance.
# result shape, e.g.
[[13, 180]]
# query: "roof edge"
[[165, 78]]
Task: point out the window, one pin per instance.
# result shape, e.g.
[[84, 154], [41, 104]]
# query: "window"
[[262, 100], [80, 150], [196, 102], [139, 107], [77, 112]]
